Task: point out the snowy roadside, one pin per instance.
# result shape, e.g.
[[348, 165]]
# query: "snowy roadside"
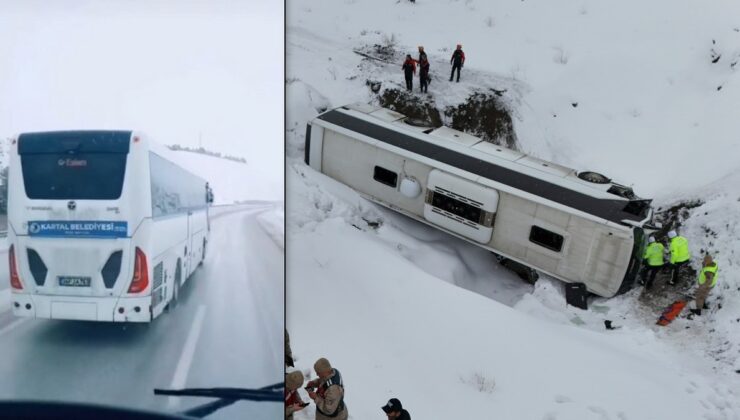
[[273, 223]]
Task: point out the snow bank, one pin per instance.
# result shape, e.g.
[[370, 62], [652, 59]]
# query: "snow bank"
[[395, 330], [273, 223]]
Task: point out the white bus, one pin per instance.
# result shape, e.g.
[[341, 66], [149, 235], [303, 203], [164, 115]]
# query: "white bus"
[[101, 226], [579, 227]]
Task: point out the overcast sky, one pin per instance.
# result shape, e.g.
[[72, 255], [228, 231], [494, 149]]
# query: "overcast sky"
[[177, 70]]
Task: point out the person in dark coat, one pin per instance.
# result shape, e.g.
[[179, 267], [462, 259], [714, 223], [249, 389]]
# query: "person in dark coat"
[[288, 353], [457, 61], [422, 54], [423, 70], [394, 410], [409, 70]]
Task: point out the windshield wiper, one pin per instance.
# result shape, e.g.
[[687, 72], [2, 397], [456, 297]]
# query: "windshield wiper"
[[226, 397]]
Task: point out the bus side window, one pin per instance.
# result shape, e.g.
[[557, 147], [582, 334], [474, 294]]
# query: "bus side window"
[[385, 176], [546, 238]]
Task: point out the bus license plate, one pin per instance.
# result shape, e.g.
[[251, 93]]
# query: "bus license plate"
[[73, 281]]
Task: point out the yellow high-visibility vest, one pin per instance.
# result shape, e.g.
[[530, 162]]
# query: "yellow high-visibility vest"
[[654, 254], [679, 250], [709, 269]]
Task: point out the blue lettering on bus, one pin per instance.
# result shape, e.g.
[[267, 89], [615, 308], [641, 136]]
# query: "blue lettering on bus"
[[78, 229]]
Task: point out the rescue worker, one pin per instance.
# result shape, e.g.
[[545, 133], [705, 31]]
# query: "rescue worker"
[[653, 258], [293, 401], [329, 392], [409, 70], [680, 255], [457, 61], [707, 280], [422, 54], [423, 70], [394, 410]]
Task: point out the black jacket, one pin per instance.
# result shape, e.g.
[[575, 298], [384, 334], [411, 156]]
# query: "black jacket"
[[405, 415], [408, 70], [457, 57], [422, 57]]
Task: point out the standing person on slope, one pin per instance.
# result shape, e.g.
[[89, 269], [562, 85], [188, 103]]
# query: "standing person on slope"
[[457, 61], [423, 70], [409, 70]]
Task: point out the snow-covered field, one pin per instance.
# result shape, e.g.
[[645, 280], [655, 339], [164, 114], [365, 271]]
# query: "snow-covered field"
[[409, 312]]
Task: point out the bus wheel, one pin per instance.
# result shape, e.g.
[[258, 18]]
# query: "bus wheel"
[[525, 273], [175, 288], [203, 258]]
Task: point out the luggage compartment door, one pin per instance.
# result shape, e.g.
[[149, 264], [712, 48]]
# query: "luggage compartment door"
[[460, 206]]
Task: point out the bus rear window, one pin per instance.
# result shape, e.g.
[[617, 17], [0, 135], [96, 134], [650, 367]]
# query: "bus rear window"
[[73, 176]]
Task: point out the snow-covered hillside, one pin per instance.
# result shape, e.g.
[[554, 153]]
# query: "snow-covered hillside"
[[232, 181], [626, 89]]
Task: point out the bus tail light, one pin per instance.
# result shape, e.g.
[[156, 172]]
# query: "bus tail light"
[[141, 273], [15, 280]]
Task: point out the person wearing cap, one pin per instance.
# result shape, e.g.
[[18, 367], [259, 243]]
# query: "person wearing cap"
[[394, 410], [423, 70], [653, 258], [293, 401], [457, 61], [409, 70], [329, 392], [707, 280], [680, 255]]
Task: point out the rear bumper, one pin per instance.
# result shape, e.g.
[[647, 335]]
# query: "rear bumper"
[[82, 308]]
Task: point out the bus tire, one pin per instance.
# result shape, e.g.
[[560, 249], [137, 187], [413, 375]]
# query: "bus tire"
[[525, 273], [203, 257], [175, 288]]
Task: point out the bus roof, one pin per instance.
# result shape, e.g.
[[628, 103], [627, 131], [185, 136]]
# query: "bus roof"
[[95, 141], [519, 171]]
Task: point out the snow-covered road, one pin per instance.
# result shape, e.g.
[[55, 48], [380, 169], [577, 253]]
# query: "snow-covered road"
[[226, 331], [590, 87]]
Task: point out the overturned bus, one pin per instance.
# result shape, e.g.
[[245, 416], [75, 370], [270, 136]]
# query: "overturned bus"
[[577, 227]]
